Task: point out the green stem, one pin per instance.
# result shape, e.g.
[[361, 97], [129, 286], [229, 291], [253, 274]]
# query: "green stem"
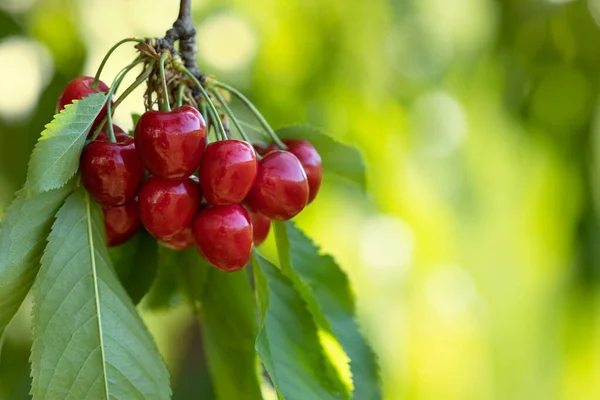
[[139, 80], [247, 125], [231, 115], [165, 103], [204, 111], [107, 56], [180, 92], [263, 122], [113, 88], [211, 106]]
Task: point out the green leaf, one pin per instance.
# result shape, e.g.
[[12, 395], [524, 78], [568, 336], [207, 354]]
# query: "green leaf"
[[288, 342], [55, 158], [163, 293], [329, 295], [23, 234], [89, 341], [136, 263], [338, 158], [135, 117], [229, 330]]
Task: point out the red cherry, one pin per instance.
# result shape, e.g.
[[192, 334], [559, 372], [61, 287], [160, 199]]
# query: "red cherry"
[[121, 222], [263, 148], [311, 162], [103, 134], [111, 172], [260, 225], [180, 241], [281, 188], [168, 206], [227, 172], [79, 88], [171, 143], [224, 236]]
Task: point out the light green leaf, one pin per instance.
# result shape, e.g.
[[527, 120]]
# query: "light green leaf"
[[136, 263], [55, 158], [288, 342], [23, 234], [89, 341], [338, 158], [229, 329], [329, 295]]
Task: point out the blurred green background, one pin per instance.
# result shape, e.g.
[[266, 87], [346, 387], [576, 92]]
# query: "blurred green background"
[[476, 254]]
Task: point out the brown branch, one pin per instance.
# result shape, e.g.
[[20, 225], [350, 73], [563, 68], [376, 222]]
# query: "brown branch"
[[183, 31]]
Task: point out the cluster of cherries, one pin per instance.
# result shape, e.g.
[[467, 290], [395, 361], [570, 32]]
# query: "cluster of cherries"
[[223, 211]]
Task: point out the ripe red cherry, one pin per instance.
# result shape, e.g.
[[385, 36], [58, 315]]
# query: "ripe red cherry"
[[111, 172], [103, 134], [227, 172], [79, 88], [311, 162], [180, 241], [171, 143], [121, 222], [260, 225], [281, 188], [168, 206], [262, 148], [224, 236]]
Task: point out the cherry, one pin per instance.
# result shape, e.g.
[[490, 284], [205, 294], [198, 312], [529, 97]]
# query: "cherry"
[[168, 206], [79, 88], [227, 172], [179, 241], [103, 134], [260, 225], [224, 236], [121, 222], [111, 172], [171, 143], [281, 188], [263, 148], [311, 162]]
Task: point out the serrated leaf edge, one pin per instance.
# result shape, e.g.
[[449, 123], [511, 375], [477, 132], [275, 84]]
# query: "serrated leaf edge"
[[323, 358], [27, 189], [354, 319]]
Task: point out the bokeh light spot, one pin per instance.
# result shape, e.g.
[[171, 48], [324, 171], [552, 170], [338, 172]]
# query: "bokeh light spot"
[[439, 123], [386, 247], [27, 68], [227, 41], [451, 291]]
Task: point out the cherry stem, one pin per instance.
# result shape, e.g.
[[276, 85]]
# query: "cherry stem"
[[253, 127], [140, 79], [211, 105], [231, 115], [107, 56], [166, 105], [109, 107], [255, 111], [180, 92]]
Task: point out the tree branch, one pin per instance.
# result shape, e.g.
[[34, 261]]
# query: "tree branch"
[[183, 31]]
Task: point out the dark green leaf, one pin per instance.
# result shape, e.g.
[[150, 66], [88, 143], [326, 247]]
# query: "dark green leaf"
[[338, 158], [23, 233], [229, 331], [55, 158], [135, 117], [163, 294], [288, 342], [89, 342], [136, 263], [329, 295]]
